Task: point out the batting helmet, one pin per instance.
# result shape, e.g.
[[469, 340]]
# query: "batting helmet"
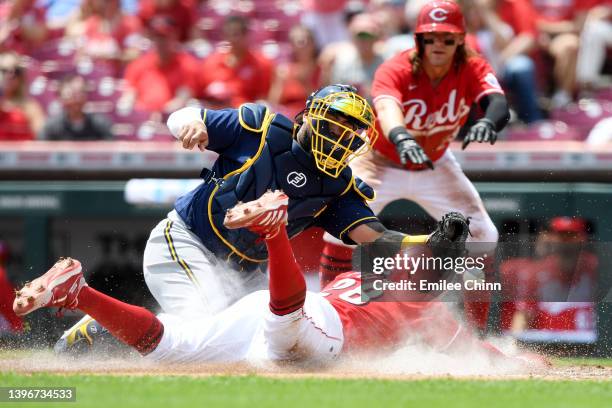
[[342, 127], [440, 17]]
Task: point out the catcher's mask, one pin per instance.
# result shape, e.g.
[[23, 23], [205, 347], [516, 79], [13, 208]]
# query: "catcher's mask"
[[342, 127]]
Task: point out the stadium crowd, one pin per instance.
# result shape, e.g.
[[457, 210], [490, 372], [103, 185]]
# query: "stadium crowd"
[[93, 69]]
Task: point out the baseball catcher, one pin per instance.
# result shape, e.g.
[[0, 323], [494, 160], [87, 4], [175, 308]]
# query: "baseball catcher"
[[193, 264]]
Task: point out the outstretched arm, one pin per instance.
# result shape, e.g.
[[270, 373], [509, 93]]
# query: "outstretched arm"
[[214, 130], [448, 238], [376, 232], [496, 117], [187, 125]]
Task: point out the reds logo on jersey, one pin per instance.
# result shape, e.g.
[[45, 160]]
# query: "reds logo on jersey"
[[438, 14], [422, 122]]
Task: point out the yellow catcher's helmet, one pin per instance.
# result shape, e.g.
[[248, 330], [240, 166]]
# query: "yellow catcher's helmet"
[[342, 127]]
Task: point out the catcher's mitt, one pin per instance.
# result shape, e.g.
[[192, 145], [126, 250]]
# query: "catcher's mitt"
[[448, 240]]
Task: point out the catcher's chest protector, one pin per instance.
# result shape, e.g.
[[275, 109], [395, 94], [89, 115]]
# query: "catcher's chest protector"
[[280, 164]]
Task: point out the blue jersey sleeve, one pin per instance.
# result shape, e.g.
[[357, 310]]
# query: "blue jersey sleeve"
[[223, 128], [345, 214]]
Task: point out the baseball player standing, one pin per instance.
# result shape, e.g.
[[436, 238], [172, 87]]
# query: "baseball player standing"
[[422, 97]]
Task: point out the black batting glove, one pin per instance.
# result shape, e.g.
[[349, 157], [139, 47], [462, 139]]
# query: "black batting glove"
[[408, 149], [483, 131]]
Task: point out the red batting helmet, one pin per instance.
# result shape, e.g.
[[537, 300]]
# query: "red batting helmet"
[[568, 224], [440, 16]]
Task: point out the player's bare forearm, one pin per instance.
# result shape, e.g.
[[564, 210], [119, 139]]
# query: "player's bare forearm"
[[389, 114]]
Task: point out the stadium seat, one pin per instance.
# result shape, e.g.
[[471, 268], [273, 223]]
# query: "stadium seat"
[[210, 28], [57, 49], [584, 114], [545, 131], [604, 94], [140, 125], [44, 90]]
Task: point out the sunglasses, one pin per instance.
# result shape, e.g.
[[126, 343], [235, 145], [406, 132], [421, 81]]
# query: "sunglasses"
[[362, 35], [446, 41], [11, 71]]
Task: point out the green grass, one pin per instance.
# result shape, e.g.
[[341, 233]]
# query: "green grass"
[[577, 361], [253, 391]]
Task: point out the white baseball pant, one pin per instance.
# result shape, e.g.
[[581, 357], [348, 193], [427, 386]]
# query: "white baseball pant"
[[248, 331], [186, 278]]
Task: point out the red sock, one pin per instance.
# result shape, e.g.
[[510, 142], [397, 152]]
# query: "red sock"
[[335, 259], [477, 313], [7, 296], [476, 303], [133, 325], [287, 284]]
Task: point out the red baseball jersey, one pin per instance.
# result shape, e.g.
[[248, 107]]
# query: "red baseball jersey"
[[558, 10], [527, 280], [381, 324], [433, 114]]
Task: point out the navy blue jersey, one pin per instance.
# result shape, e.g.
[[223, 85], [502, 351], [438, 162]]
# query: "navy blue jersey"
[[257, 152]]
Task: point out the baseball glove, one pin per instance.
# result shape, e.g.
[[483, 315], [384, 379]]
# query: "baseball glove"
[[448, 240]]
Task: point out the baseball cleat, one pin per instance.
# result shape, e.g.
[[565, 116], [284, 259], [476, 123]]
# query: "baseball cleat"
[[59, 287], [87, 336], [263, 216]]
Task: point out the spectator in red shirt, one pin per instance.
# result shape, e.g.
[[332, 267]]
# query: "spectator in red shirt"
[[296, 79], [506, 35], [21, 117], [559, 23], [241, 72], [183, 12], [106, 33], [165, 78], [22, 26]]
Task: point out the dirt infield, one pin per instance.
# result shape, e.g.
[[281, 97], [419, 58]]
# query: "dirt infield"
[[46, 362]]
